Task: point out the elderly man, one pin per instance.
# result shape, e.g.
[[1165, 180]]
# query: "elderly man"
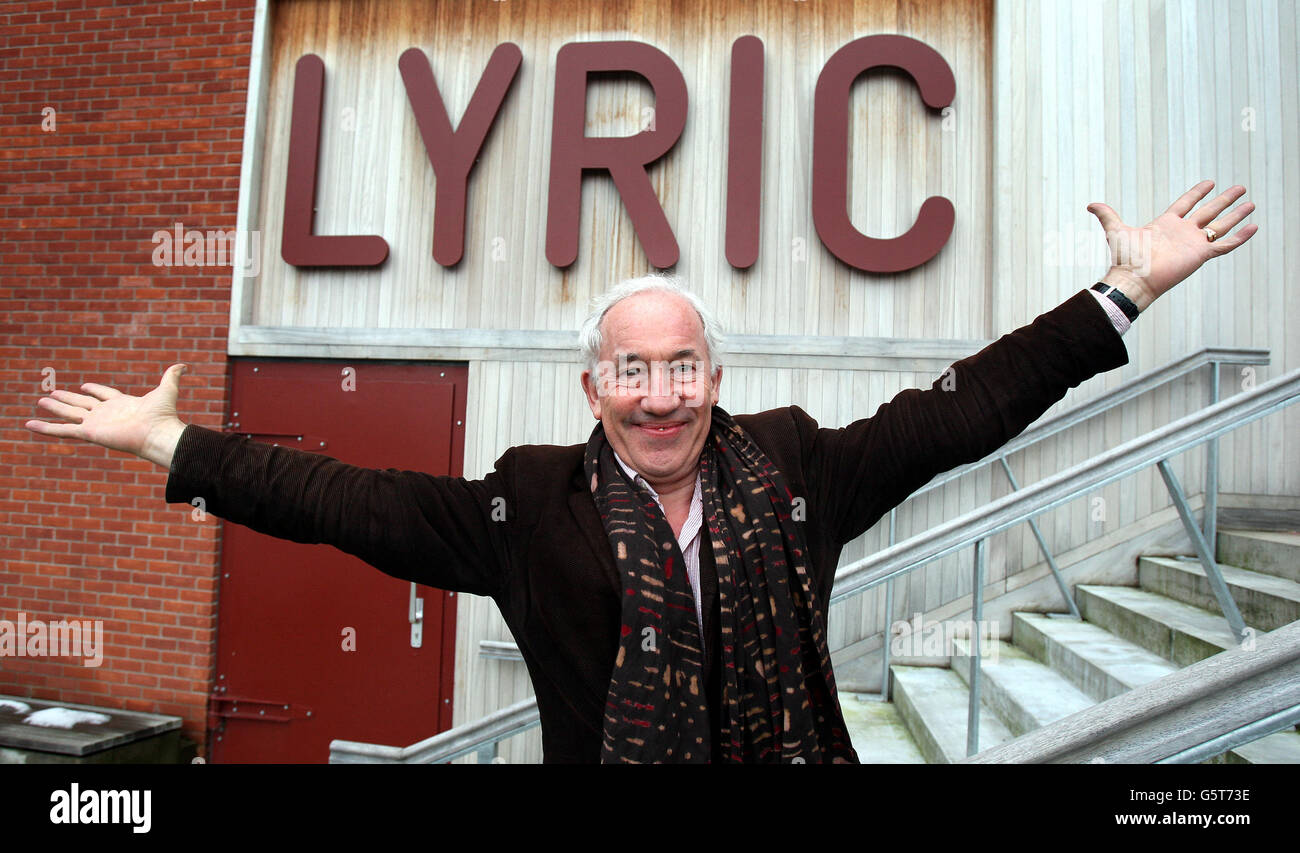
[[667, 597]]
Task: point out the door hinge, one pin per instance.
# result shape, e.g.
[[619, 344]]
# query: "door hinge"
[[285, 439], [224, 707]]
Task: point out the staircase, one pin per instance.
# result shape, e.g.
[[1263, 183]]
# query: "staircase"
[[1057, 665]]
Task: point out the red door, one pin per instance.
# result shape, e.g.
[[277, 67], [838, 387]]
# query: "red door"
[[313, 644]]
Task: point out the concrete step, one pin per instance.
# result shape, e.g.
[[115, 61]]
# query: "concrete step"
[[933, 702], [1173, 630], [1262, 551], [1025, 693], [877, 731], [1265, 601], [1096, 661]]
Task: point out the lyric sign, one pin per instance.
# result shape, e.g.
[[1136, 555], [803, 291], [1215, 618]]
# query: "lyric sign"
[[452, 153]]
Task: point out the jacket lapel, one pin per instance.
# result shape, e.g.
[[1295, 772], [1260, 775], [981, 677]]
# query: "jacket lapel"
[[593, 532]]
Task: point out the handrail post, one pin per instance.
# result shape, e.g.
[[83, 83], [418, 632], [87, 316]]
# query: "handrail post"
[[889, 614], [1226, 604], [1212, 473], [1042, 546], [977, 614]]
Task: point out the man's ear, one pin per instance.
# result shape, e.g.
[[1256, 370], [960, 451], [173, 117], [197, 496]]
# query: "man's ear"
[[589, 389], [717, 381]]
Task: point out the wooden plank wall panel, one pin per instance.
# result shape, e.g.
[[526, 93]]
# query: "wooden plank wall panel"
[[374, 176], [1131, 102], [507, 396]]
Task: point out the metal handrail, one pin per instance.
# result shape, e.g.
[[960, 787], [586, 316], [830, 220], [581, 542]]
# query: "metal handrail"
[[1214, 357], [1117, 462], [1200, 711], [1153, 448], [1103, 403], [480, 736]]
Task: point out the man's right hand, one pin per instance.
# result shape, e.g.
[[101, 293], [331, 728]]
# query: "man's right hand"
[[146, 426]]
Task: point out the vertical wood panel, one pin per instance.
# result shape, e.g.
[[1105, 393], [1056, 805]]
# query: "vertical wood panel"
[[374, 176]]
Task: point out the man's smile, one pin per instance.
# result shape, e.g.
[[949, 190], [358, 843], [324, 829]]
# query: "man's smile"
[[661, 430]]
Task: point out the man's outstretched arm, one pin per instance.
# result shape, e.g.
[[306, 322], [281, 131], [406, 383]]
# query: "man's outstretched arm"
[[433, 530], [987, 399]]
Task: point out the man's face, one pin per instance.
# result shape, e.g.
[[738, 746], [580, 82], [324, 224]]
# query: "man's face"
[[654, 388]]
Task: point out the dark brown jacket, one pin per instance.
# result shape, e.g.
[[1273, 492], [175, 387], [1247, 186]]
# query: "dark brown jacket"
[[548, 564]]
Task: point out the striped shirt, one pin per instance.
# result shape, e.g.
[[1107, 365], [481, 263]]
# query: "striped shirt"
[[688, 540]]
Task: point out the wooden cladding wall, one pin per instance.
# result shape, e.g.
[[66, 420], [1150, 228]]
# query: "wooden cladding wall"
[[1133, 102], [374, 176]]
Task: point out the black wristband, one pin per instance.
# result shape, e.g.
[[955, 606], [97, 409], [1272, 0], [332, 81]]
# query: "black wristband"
[[1115, 295]]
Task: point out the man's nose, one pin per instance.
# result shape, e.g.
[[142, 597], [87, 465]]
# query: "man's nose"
[[661, 396]]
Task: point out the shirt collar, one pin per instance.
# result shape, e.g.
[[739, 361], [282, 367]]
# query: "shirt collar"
[[637, 478], [694, 516]]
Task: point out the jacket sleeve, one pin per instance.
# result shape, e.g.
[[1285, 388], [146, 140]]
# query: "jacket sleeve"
[[439, 531], [863, 470]]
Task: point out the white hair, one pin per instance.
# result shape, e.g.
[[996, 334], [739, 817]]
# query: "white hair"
[[590, 338]]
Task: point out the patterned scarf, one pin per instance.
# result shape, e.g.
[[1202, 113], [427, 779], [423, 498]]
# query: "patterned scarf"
[[779, 702]]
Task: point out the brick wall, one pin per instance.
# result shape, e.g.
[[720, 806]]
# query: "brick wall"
[[117, 120]]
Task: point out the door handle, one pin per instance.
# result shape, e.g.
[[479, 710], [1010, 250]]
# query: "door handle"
[[415, 615]]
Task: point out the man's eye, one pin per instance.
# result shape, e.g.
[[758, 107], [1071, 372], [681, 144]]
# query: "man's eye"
[[685, 368]]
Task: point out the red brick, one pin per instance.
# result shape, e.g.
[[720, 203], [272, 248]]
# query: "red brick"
[[150, 130]]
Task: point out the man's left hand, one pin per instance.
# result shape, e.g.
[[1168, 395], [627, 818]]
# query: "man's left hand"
[[1150, 260]]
